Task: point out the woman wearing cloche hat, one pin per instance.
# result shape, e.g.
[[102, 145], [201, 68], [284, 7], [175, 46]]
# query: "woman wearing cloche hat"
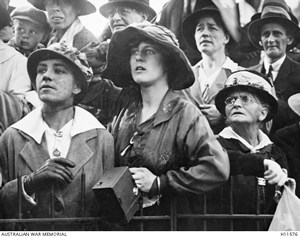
[[165, 140], [247, 102], [55, 145], [206, 32], [63, 17]]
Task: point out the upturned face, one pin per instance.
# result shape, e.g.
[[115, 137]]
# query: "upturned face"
[[27, 34], [210, 38], [147, 67], [55, 82], [121, 17], [244, 108], [61, 15], [274, 40]]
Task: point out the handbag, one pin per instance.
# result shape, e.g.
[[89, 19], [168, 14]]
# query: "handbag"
[[287, 214]]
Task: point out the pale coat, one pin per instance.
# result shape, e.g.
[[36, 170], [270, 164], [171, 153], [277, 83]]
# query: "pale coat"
[[92, 151], [14, 76]]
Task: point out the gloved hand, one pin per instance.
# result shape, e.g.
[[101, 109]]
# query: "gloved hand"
[[53, 169], [274, 174]]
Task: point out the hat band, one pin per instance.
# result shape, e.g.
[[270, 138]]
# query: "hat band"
[[274, 11]]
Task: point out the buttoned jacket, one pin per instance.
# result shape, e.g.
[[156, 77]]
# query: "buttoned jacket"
[[181, 148], [92, 152]]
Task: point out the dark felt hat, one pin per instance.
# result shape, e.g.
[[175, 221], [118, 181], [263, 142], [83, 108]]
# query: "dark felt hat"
[[85, 6], [117, 68], [4, 17], [142, 5], [274, 11]]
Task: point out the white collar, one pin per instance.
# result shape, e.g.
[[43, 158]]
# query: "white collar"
[[264, 140], [276, 65], [33, 123], [228, 64], [68, 37]]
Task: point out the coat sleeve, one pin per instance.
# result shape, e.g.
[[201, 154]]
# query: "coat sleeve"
[[243, 163], [9, 187], [207, 164]]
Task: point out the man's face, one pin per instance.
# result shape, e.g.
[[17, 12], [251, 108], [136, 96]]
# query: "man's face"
[[121, 17], [274, 40]]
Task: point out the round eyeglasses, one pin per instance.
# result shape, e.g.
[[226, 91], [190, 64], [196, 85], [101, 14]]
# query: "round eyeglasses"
[[245, 99]]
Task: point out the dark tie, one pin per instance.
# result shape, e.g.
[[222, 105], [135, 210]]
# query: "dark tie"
[[270, 76]]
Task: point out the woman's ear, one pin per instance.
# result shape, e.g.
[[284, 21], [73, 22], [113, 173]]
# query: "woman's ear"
[[227, 38], [76, 89], [263, 114]]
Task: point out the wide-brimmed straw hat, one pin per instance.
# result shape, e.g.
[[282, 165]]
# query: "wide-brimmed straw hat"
[[77, 60], [142, 5], [4, 17], [274, 11], [118, 56], [247, 80], [85, 6], [190, 22]]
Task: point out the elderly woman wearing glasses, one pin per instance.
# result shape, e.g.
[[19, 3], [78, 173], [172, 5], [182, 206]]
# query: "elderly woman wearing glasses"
[[247, 102], [165, 140]]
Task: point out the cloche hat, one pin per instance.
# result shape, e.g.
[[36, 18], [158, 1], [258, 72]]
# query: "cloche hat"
[[190, 22], [117, 68], [82, 71], [247, 80]]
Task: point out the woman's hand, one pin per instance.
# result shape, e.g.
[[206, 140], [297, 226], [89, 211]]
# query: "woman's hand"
[[53, 169], [274, 174], [212, 114], [143, 178]]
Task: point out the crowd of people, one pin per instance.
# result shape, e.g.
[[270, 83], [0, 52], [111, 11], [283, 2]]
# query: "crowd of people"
[[165, 98]]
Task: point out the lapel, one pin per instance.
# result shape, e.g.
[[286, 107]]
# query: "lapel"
[[217, 85], [282, 80], [195, 89], [168, 107], [32, 150], [79, 151]]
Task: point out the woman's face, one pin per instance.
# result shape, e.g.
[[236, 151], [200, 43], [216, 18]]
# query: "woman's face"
[[120, 17], [210, 38], [61, 14], [147, 67], [244, 108], [55, 82]]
